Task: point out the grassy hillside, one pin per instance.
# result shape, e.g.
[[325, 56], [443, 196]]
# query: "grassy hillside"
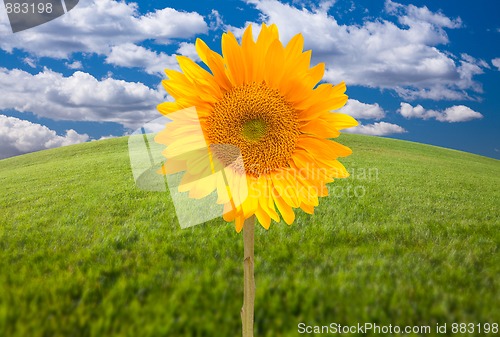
[[411, 238]]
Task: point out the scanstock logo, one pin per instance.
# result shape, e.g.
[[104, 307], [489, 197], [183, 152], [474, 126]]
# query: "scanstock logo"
[[25, 14]]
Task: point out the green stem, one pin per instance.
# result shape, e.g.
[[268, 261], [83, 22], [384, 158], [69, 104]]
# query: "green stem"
[[247, 310]]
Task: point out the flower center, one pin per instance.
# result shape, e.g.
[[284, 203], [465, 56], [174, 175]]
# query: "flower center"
[[258, 121], [254, 129]]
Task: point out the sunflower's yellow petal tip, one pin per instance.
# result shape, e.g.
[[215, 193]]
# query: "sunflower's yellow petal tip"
[[349, 121], [200, 46], [181, 58]]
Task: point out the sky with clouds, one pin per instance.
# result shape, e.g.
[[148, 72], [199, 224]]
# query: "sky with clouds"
[[425, 71]]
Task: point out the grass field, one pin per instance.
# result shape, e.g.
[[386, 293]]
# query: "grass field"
[[411, 238]]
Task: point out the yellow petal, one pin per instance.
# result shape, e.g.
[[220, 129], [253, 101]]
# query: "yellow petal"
[[202, 187], [324, 148], [284, 189], [178, 89], [286, 211], [294, 46], [320, 128], [339, 120], [239, 221], [229, 212], [185, 146], [324, 98], [263, 218], [251, 202], [274, 69], [215, 62], [172, 166], [202, 78], [166, 108], [248, 47], [316, 73], [222, 190], [266, 37], [307, 208], [266, 202], [233, 57]]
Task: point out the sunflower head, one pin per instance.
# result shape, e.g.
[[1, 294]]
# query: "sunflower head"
[[262, 122]]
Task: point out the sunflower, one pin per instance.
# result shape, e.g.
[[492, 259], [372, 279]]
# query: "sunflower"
[[260, 132]]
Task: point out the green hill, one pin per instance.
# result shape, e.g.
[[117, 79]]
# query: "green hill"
[[411, 238]]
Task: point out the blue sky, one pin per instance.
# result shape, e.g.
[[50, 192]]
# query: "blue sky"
[[425, 71]]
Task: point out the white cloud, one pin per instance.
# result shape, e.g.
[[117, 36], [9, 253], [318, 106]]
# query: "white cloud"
[[456, 113], [19, 136], [97, 25], [74, 65], [408, 111], [459, 113], [361, 110], [438, 92], [470, 59], [30, 61], [377, 129], [325, 5], [404, 57], [79, 97], [105, 137], [131, 55], [496, 62], [216, 20], [189, 50], [411, 14]]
